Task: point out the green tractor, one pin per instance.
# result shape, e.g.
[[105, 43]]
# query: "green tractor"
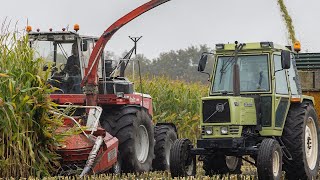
[[255, 112]]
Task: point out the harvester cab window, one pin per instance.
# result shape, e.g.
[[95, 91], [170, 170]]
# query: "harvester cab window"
[[44, 50], [63, 57], [68, 77], [86, 52], [254, 74], [281, 80]]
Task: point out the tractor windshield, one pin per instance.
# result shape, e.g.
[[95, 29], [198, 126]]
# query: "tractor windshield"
[[254, 74]]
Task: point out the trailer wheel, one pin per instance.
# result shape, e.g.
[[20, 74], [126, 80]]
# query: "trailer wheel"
[[134, 129], [301, 137], [220, 164], [182, 162], [165, 136], [269, 160]]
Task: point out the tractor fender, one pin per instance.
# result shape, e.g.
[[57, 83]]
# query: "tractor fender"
[[304, 98]]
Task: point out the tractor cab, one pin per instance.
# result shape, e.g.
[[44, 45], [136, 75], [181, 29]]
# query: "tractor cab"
[[67, 54], [251, 89]]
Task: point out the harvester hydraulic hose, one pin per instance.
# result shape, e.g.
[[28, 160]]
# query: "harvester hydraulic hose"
[[92, 156]]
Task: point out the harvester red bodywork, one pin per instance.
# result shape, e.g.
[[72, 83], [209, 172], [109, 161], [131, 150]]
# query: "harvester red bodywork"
[[78, 147], [90, 80]]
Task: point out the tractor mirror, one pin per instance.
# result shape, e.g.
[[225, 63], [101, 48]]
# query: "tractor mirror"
[[285, 59], [202, 62], [84, 45]]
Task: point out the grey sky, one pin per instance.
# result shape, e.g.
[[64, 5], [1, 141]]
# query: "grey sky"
[[176, 24]]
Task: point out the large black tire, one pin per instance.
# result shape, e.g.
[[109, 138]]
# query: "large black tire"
[[134, 129], [182, 162], [269, 160], [295, 133], [165, 136], [117, 167], [217, 164]]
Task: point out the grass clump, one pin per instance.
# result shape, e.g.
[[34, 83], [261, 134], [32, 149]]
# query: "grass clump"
[[27, 128]]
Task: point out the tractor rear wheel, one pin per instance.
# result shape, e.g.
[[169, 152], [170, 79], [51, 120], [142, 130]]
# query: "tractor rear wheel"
[[182, 162], [269, 160], [165, 136], [134, 129], [220, 164], [301, 137]]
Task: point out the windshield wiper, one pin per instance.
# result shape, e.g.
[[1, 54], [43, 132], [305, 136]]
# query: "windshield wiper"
[[63, 51], [225, 66], [223, 92]]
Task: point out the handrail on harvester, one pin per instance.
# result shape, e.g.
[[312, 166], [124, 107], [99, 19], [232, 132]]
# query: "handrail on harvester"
[[90, 78]]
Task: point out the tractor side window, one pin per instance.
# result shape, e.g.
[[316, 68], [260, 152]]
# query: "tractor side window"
[[281, 80], [293, 77]]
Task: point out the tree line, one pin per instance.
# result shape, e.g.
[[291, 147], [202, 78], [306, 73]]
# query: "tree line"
[[179, 64]]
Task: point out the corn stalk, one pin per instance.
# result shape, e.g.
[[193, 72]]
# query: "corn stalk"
[[27, 129], [177, 102]]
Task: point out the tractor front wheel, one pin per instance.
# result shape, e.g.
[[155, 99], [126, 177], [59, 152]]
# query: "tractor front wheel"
[[165, 136], [269, 160], [221, 164], [182, 162]]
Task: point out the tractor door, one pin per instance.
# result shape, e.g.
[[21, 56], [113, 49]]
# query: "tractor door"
[[281, 100]]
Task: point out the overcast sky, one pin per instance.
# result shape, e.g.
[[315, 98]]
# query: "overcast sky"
[[174, 25]]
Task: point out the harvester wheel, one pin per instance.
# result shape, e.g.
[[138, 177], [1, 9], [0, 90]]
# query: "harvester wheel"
[[116, 168], [301, 137], [165, 136], [269, 160], [220, 164], [182, 162], [134, 129]]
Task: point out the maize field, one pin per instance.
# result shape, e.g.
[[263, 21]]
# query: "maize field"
[[176, 102], [27, 124]]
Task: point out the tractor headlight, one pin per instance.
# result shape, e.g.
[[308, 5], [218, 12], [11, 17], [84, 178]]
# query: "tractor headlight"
[[208, 130], [219, 46], [224, 130]]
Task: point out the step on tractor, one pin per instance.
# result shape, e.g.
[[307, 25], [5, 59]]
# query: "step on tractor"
[[118, 133], [257, 110]]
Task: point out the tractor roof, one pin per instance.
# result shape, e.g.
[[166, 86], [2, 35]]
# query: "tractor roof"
[[51, 35], [220, 48]]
